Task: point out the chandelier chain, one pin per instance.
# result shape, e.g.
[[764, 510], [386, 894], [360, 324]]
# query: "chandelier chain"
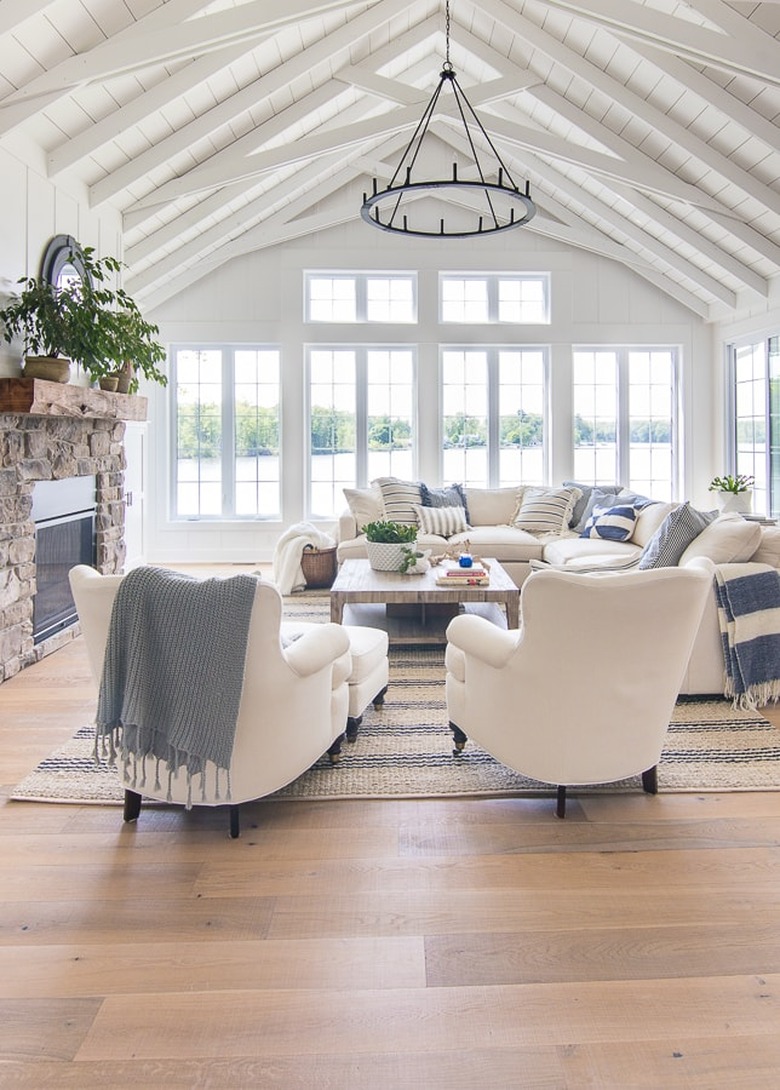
[[447, 33]]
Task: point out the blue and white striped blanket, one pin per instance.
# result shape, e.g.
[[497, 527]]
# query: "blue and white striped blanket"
[[748, 597]]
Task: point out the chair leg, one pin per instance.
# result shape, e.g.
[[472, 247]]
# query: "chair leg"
[[353, 723], [650, 780], [234, 825], [132, 806], [560, 809], [379, 699], [459, 738], [334, 751]]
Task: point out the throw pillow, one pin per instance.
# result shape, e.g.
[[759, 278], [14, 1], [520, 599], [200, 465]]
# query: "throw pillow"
[[443, 521], [452, 496], [365, 505], [492, 506], [673, 536], [600, 496], [729, 539], [611, 523], [399, 499], [546, 510]]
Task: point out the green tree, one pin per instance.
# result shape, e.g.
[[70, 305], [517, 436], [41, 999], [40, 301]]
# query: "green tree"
[[522, 430], [199, 431], [257, 430], [462, 430], [332, 430], [388, 433]]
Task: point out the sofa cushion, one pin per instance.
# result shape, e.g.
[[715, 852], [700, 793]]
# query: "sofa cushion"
[[546, 510], [577, 551], [504, 543], [648, 520], [673, 536], [611, 523], [444, 521], [399, 499], [584, 505], [768, 551], [365, 505], [453, 495], [492, 506], [729, 539]]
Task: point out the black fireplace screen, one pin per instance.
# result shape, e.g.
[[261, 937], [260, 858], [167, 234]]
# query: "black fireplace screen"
[[63, 538]]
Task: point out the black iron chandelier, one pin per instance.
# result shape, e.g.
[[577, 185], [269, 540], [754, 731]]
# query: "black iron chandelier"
[[489, 203]]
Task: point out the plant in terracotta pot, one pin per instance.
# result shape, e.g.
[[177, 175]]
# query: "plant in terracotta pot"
[[387, 544], [734, 492]]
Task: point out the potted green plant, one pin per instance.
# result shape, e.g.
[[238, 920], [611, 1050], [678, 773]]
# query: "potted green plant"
[[387, 544], [40, 315], [733, 492], [108, 334]]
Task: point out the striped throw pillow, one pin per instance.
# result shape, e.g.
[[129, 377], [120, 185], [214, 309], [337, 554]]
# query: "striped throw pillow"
[[399, 499], [674, 535], [546, 510], [443, 521], [611, 523]]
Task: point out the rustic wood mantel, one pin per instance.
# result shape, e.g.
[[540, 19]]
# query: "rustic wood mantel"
[[37, 397]]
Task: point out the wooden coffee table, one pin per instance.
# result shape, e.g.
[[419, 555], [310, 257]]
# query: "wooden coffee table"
[[413, 608]]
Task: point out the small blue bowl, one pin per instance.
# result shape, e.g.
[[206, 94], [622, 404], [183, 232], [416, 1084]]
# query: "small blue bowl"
[[465, 560]]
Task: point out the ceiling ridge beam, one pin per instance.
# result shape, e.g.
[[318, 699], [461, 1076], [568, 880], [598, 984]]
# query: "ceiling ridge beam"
[[200, 128]]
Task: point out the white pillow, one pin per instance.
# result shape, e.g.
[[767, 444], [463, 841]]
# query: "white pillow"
[[365, 505], [546, 510], [730, 539], [493, 506], [443, 521], [399, 499]]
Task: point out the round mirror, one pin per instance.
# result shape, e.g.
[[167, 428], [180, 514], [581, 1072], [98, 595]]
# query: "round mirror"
[[63, 263]]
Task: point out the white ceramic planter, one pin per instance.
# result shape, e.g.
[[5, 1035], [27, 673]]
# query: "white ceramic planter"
[[741, 502], [387, 556]]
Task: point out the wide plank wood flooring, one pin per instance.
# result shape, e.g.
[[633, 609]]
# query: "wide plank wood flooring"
[[383, 945]]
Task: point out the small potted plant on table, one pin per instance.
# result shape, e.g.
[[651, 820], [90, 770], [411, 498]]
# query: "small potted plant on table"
[[388, 544]]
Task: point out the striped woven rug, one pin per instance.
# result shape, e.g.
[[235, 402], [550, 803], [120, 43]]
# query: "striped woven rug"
[[404, 750]]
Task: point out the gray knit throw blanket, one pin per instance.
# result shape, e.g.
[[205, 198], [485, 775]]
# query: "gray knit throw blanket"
[[173, 674]]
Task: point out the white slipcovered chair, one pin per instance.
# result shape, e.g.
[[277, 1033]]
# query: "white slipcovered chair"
[[583, 691], [293, 707]]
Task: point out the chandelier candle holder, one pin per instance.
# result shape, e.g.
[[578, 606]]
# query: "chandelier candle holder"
[[493, 200]]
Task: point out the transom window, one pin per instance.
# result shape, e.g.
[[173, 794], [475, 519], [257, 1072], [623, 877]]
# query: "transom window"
[[625, 418], [493, 412], [361, 297], [226, 433], [361, 420], [521, 299]]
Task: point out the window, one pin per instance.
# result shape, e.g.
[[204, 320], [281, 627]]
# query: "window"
[[756, 418], [361, 417], [493, 410], [495, 298], [226, 429], [625, 418], [361, 297]]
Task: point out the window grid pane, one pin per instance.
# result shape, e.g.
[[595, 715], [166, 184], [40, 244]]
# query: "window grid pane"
[[594, 395], [257, 376], [390, 416], [332, 299], [390, 299], [650, 395], [332, 428], [521, 394], [465, 417], [198, 490], [750, 398]]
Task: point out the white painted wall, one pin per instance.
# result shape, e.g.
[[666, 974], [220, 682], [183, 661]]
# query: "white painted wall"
[[259, 299], [32, 211]]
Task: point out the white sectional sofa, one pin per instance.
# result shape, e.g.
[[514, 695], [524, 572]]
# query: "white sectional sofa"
[[496, 528]]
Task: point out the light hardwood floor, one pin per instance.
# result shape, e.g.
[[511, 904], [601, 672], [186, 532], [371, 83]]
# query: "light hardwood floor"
[[446, 945]]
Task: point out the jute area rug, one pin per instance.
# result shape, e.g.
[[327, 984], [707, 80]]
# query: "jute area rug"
[[405, 749]]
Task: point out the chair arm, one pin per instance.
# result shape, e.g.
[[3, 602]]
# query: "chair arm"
[[316, 648], [347, 528], [483, 639]]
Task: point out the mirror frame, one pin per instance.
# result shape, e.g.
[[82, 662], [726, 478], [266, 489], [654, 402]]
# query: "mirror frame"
[[63, 250]]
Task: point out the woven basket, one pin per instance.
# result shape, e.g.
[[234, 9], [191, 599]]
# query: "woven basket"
[[318, 566]]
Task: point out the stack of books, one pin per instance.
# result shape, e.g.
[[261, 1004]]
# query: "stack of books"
[[451, 574]]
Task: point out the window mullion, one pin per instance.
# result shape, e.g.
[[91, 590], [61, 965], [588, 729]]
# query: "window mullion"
[[228, 434], [361, 415]]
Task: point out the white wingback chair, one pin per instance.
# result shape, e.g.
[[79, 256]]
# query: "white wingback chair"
[[294, 701], [583, 691]]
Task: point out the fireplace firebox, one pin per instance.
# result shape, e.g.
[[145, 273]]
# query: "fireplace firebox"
[[64, 515]]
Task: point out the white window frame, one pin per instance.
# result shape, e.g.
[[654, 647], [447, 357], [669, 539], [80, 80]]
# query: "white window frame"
[[492, 282], [361, 281]]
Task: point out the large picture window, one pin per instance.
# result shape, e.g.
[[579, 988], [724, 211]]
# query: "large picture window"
[[226, 433], [755, 427], [361, 420], [625, 418], [493, 412]]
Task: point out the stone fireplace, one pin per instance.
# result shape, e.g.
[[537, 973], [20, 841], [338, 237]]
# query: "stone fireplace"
[[61, 432]]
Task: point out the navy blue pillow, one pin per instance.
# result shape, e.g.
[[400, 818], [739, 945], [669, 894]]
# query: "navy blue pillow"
[[453, 495]]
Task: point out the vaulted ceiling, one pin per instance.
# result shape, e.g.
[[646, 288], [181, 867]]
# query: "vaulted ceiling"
[[648, 129]]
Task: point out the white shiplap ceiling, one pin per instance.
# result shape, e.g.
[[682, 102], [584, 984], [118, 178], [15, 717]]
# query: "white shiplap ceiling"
[[648, 128]]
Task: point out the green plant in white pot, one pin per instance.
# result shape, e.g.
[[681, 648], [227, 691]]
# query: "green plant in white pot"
[[388, 544], [733, 492]]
